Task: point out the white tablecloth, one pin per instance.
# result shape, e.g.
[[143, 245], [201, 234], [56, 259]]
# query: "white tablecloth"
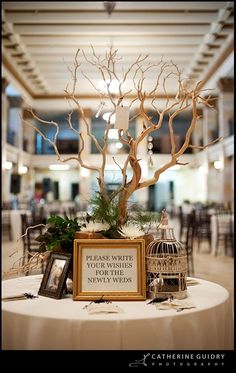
[[45, 323], [226, 223], [15, 220]]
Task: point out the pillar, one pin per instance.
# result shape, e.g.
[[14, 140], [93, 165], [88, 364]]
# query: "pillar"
[[197, 136], [226, 123], [5, 173], [210, 132], [210, 122], [84, 174], [147, 171], [15, 125], [28, 132]]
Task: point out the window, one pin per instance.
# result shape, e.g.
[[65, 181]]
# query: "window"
[[67, 140], [114, 145], [161, 137]]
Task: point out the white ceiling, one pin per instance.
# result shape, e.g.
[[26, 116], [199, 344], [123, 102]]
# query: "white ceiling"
[[40, 39]]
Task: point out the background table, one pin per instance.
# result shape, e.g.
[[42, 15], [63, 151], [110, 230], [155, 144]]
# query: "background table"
[[49, 324], [226, 222], [15, 220]]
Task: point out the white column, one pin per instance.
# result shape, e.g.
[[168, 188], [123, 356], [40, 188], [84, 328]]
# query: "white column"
[[210, 132], [5, 173], [15, 114], [85, 175], [83, 130], [16, 126], [28, 132], [147, 171], [225, 105], [197, 136], [210, 122], [226, 115]]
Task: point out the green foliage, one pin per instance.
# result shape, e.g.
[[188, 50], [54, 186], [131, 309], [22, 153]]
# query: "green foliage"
[[59, 234], [103, 210], [144, 219], [108, 211]]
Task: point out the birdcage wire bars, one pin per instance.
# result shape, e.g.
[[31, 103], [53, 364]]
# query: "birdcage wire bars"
[[166, 264]]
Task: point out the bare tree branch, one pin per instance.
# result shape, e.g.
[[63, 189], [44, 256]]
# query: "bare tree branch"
[[205, 146], [188, 96], [52, 143]]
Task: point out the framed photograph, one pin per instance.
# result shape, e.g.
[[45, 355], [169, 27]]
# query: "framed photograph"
[[110, 268], [54, 279]]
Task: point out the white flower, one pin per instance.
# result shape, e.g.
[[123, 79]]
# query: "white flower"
[[130, 231], [95, 226]]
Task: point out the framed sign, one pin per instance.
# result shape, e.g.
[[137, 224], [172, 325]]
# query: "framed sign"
[[54, 279], [112, 269]]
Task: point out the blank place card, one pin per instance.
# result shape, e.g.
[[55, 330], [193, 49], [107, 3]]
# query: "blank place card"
[[122, 118]]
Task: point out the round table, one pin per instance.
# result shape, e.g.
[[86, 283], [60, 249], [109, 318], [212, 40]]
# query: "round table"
[[226, 226], [49, 324], [15, 221]]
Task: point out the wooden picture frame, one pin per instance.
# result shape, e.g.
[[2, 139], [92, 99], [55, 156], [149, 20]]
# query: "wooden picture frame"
[[54, 280], [110, 268]]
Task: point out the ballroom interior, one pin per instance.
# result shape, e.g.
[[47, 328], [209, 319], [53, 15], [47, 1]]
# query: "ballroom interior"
[[40, 42]]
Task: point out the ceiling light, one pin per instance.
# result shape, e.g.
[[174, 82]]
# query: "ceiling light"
[[119, 145], [218, 165], [107, 116], [113, 134], [23, 170], [59, 167], [84, 172], [8, 165], [12, 91]]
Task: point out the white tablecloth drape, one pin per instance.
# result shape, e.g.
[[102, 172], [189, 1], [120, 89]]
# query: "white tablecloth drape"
[[226, 226], [15, 220], [48, 324]]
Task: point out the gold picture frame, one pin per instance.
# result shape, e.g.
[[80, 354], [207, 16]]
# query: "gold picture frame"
[[113, 269]]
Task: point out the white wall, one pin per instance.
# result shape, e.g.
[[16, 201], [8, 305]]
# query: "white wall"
[[189, 184]]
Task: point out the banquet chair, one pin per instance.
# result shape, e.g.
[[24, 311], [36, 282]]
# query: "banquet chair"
[[30, 245], [6, 225], [203, 228], [38, 215], [183, 218], [189, 241]]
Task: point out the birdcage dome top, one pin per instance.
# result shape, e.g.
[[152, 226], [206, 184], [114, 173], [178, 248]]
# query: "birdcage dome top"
[[165, 244], [159, 248], [164, 230]]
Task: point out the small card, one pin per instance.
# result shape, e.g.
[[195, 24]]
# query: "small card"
[[179, 305], [122, 118], [103, 308]]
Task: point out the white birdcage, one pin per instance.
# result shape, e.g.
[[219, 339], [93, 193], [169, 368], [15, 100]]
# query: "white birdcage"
[[166, 264]]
